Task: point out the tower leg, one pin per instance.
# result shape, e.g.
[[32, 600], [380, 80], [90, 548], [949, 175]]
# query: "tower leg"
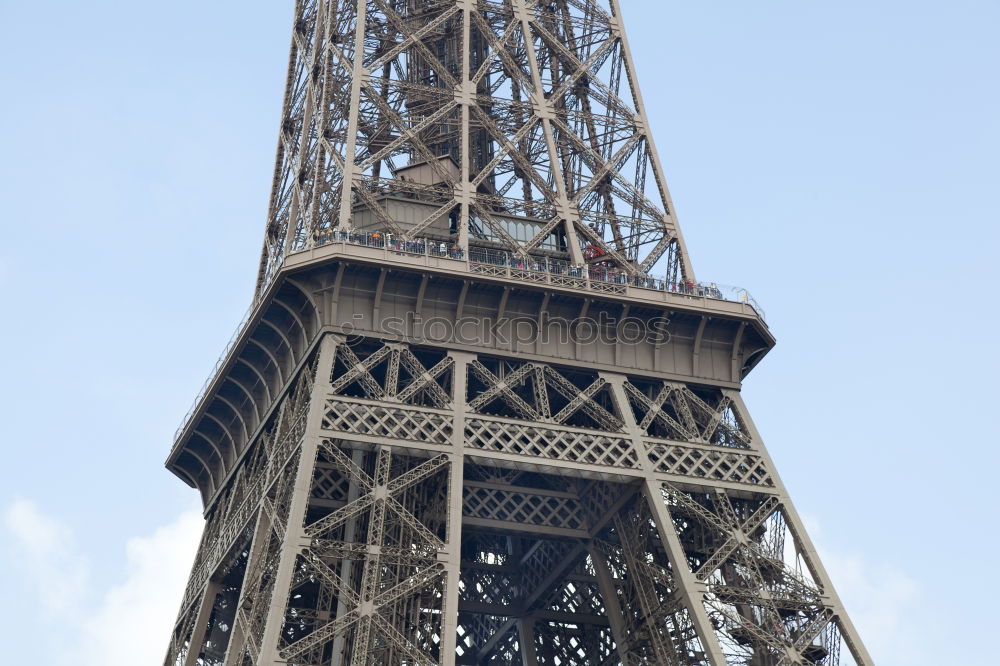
[[686, 583], [453, 562], [241, 630], [199, 633], [294, 535], [453, 549], [609, 594], [350, 534], [805, 544], [687, 586]]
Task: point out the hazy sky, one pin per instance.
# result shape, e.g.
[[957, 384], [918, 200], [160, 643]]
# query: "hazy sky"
[[837, 159]]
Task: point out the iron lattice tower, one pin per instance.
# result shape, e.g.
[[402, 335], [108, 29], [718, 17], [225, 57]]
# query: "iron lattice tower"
[[481, 411]]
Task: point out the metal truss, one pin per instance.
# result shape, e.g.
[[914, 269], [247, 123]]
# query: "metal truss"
[[408, 506], [388, 502], [514, 124]]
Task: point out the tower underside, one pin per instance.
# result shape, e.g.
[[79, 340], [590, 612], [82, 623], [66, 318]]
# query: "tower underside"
[[481, 411]]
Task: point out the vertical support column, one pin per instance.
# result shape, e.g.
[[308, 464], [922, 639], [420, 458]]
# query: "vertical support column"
[[693, 592], [688, 587], [526, 640], [200, 630], [452, 557], [325, 95], [258, 547], [350, 534], [465, 96], [358, 74], [307, 115], [609, 594], [294, 537], [808, 550], [372, 571], [619, 29], [543, 109]]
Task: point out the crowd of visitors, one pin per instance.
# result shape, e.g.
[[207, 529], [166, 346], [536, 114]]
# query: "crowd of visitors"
[[596, 272]]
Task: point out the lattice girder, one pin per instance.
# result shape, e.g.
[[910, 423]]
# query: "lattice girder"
[[402, 501], [760, 589], [541, 393], [359, 532], [377, 557], [532, 106], [391, 372]]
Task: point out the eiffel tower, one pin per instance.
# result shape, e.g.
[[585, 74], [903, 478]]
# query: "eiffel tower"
[[481, 411]]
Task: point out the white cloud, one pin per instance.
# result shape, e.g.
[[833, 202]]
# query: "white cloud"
[[130, 622], [879, 598], [46, 551], [133, 621]]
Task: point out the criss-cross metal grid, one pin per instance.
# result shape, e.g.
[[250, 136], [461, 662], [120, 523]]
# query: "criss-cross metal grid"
[[522, 117], [407, 505]]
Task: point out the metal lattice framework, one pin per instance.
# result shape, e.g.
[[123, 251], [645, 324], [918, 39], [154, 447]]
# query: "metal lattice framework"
[[364, 529], [514, 124], [376, 496]]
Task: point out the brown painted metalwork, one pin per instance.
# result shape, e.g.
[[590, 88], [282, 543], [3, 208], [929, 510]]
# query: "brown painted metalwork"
[[480, 410]]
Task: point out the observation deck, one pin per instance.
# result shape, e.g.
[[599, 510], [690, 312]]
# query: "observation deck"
[[490, 262], [355, 283]]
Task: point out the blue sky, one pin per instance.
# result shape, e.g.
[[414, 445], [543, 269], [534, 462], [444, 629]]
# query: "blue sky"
[[837, 159]]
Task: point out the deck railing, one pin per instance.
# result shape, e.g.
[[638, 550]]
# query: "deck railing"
[[500, 263], [517, 266]]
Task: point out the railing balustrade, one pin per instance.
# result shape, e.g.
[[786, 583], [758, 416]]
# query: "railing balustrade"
[[513, 265], [544, 265]]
